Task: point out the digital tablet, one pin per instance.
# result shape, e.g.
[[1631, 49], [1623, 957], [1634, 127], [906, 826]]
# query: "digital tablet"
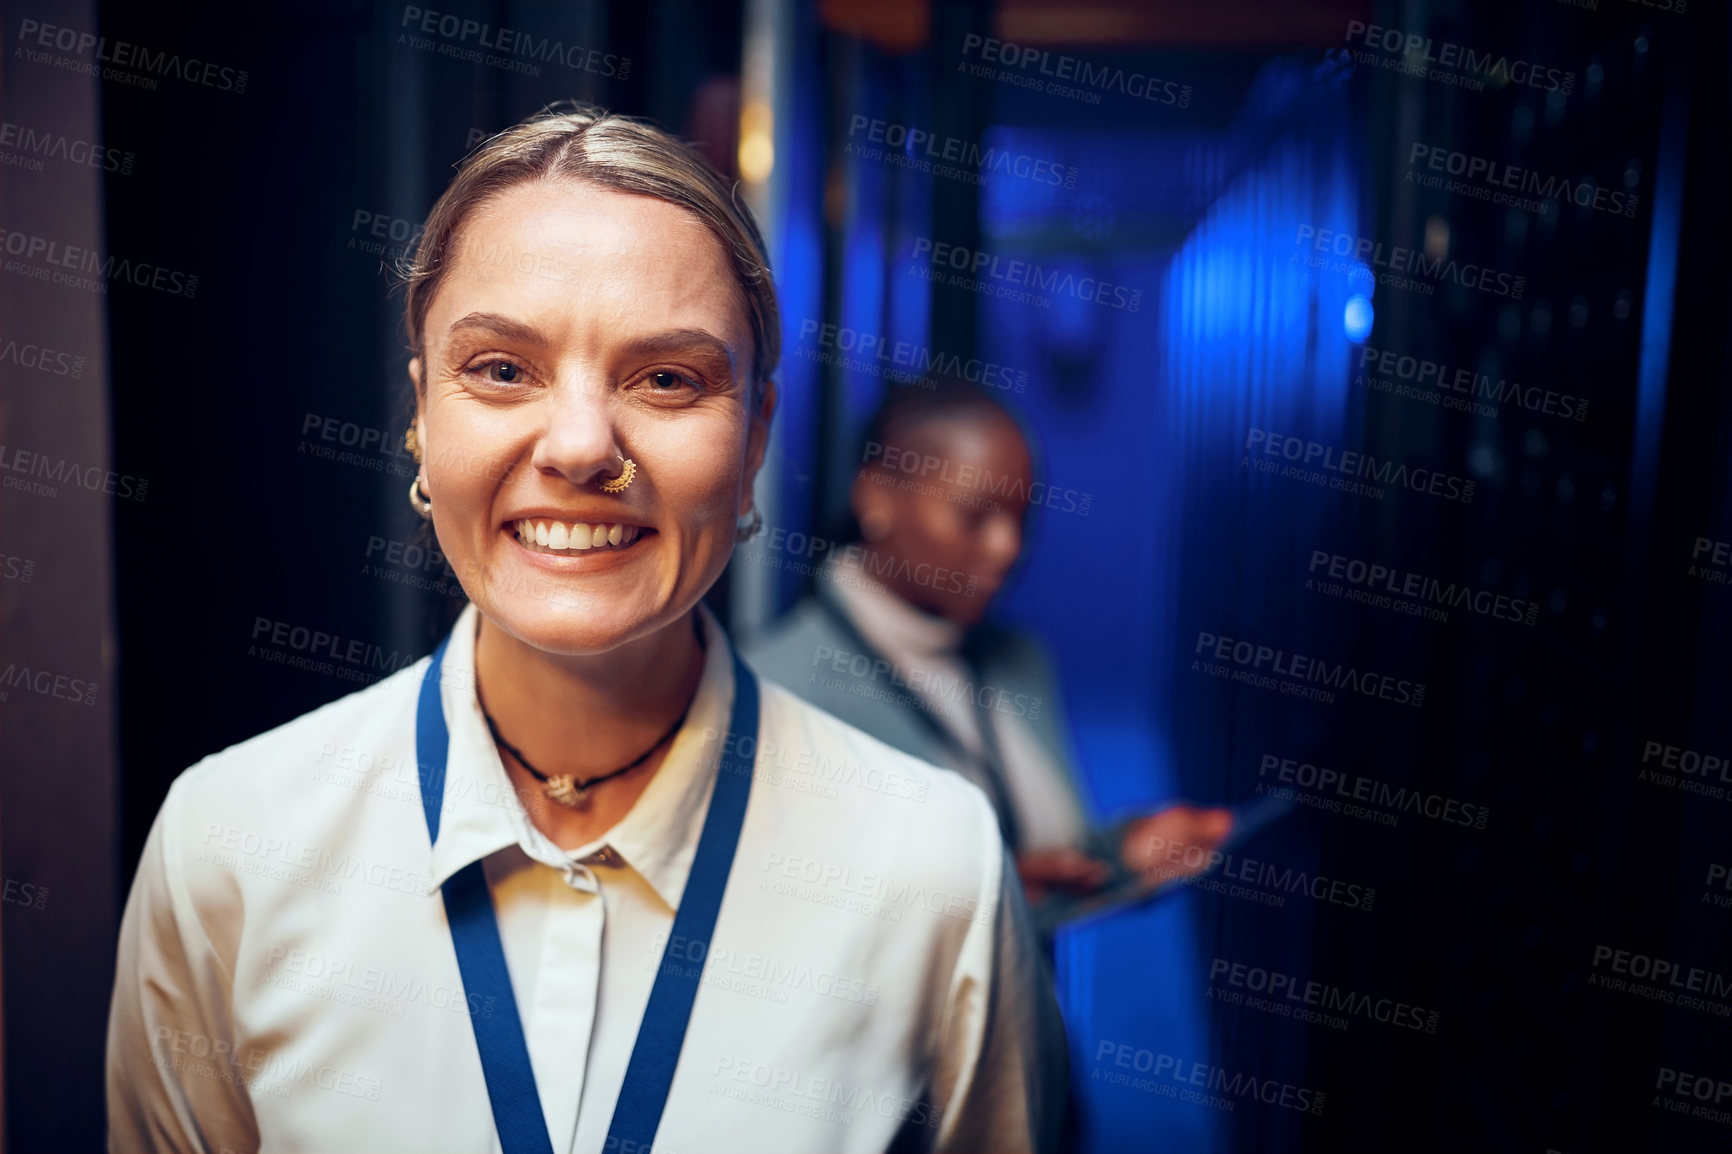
[[1249, 820]]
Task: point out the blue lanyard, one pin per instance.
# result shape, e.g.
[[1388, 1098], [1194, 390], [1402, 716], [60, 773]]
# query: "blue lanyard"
[[481, 957]]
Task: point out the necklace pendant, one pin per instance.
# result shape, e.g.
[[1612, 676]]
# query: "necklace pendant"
[[564, 789]]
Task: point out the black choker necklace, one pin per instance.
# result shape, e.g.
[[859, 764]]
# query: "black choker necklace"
[[565, 788]]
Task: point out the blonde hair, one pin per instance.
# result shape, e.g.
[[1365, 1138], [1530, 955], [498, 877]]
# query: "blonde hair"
[[580, 142]]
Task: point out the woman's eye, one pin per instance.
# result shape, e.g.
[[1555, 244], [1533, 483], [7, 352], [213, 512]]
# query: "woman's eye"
[[498, 372], [665, 381]]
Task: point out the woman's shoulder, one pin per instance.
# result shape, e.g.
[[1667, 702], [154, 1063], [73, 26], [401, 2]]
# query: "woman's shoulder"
[[880, 794], [364, 733], [277, 818]]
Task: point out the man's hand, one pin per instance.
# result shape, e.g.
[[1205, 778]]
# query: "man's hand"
[[1176, 842], [1064, 869]]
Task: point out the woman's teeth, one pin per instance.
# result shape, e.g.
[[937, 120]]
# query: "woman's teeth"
[[574, 536]]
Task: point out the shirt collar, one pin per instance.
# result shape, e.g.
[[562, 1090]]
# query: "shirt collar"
[[657, 838], [887, 622]]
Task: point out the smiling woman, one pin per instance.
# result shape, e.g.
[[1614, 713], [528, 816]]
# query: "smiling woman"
[[644, 898], [550, 382]]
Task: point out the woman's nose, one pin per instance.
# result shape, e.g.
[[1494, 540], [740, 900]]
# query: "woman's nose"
[[577, 438]]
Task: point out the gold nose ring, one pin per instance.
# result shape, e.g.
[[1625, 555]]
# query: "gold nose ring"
[[622, 481]]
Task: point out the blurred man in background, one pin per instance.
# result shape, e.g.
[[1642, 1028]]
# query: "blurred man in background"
[[938, 508]]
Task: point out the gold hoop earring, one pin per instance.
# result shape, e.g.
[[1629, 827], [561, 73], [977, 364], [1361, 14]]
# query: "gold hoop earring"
[[622, 481], [745, 530], [419, 500]]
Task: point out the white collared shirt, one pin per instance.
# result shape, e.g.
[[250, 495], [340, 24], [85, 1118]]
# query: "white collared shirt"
[[286, 979], [927, 649]]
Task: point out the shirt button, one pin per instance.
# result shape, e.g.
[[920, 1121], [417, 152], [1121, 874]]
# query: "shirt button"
[[603, 856]]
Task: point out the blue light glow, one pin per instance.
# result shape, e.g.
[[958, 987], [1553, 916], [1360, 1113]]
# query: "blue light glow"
[[1357, 318]]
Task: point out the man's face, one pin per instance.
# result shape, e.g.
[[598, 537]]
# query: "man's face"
[[951, 501]]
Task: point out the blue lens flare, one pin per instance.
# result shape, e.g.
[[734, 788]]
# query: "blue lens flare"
[[1357, 318]]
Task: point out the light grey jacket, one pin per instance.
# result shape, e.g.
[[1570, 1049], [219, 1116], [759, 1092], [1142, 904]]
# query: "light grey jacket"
[[800, 652]]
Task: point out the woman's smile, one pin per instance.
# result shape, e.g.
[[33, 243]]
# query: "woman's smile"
[[541, 534], [576, 547], [595, 431]]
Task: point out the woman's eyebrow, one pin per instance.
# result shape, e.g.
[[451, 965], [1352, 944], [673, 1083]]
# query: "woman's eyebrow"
[[684, 340], [496, 324], [681, 341]]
